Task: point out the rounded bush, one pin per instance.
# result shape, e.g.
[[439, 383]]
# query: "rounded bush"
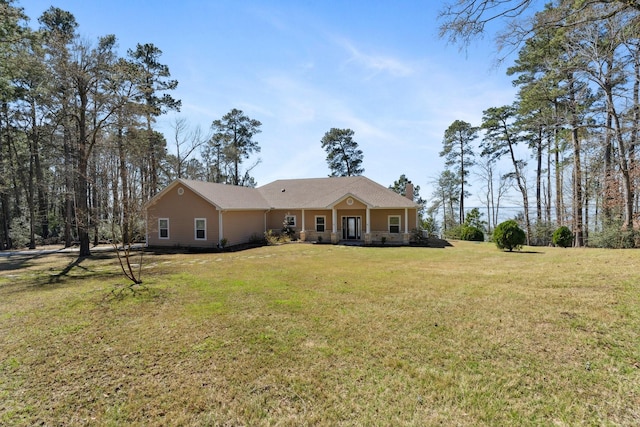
[[508, 235], [454, 232], [473, 234], [562, 237]]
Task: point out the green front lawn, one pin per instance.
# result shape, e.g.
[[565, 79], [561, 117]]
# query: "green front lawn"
[[305, 334]]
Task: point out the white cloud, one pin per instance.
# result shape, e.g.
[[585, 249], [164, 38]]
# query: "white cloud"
[[376, 63]]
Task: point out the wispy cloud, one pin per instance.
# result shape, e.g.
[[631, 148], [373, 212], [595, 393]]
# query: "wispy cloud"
[[376, 63]]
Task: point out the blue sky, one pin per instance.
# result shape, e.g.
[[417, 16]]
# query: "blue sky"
[[303, 67]]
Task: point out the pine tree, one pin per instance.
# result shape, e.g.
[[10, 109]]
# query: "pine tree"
[[458, 152], [343, 155]]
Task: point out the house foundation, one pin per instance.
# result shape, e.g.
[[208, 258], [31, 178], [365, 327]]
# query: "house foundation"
[[406, 238]]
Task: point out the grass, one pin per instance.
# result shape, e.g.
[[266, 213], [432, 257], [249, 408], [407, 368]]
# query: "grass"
[[324, 335]]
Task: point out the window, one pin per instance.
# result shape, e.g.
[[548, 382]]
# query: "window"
[[201, 228], [394, 223], [290, 220], [320, 221], [163, 228]]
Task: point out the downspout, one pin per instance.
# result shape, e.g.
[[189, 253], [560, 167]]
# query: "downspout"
[[146, 228], [264, 225], [220, 228]]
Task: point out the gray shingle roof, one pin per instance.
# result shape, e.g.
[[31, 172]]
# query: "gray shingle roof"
[[228, 197], [322, 193], [308, 193]]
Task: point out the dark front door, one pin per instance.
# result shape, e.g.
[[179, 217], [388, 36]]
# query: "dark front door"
[[351, 227]]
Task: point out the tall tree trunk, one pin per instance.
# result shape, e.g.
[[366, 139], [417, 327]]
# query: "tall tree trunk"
[[154, 161], [69, 181], [520, 181], [539, 176], [623, 163], [5, 217], [444, 213], [82, 190], [491, 213], [94, 189], [124, 182], [577, 189], [548, 197], [36, 179], [557, 168], [5, 212], [636, 122], [42, 194], [69, 172], [462, 171], [153, 172], [587, 196], [577, 199], [609, 187], [116, 209], [30, 180], [236, 160]]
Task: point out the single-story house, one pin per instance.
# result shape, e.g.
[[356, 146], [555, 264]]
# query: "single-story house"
[[190, 213]]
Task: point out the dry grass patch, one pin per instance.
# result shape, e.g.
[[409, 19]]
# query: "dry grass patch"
[[324, 335]]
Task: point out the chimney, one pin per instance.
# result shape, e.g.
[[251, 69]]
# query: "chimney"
[[408, 190]]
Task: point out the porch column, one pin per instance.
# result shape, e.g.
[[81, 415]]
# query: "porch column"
[[406, 220], [334, 225], [367, 234], [406, 239], [334, 220], [368, 220], [303, 230]]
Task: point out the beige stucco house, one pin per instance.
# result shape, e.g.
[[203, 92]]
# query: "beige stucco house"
[[200, 214]]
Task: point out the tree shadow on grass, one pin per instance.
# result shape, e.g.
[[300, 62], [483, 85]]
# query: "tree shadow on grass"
[[76, 264], [24, 274], [438, 243], [12, 262], [57, 278]]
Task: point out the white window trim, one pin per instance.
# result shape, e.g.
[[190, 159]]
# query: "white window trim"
[[195, 228], [159, 229], [324, 225], [399, 223], [286, 218]]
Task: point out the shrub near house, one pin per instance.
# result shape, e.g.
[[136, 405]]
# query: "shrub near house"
[[562, 237], [473, 234], [508, 235]]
